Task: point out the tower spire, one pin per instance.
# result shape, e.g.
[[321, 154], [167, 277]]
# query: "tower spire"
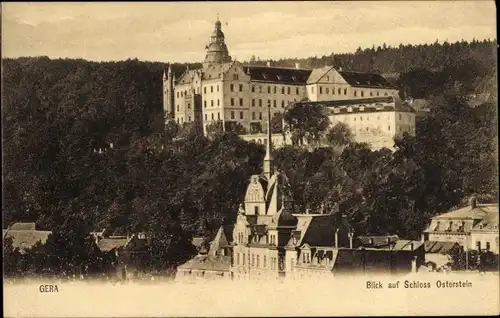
[[268, 157]]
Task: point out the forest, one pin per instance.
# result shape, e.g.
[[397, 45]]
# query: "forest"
[[175, 183]]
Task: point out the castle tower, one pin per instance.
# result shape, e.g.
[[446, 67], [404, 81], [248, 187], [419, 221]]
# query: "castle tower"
[[168, 93], [217, 51]]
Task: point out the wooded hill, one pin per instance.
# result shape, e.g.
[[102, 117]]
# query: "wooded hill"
[[55, 113]]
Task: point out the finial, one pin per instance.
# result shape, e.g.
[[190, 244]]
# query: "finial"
[[217, 16]]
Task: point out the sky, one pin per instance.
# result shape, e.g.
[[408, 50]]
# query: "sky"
[[179, 31]]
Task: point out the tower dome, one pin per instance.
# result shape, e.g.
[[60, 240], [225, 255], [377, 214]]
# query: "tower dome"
[[217, 52]]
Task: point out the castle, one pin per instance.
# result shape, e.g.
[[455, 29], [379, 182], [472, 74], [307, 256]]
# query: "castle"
[[236, 94]]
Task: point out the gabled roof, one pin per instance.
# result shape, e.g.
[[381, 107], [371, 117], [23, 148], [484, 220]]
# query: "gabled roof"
[[108, 244], [319, 229], [440, 247], [488, 223], [317, 74], [363, 105], [208, 262], [377, 240], [23, 226], [407, 245], [367, 80], [24, 239], [277, 75], [479, 212]]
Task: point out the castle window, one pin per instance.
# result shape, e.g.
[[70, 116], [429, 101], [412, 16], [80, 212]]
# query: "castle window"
[[256, 208], [321, 89], [231, 87], [232, 101], [282, 104], [241, 101], [269, 89], [253, 115], [327, 90], [345, 91], [371, 93], [253, 102], [241, 88], [218, 116], [217, 87], [211, 89], [205, 103], [253, 88], [232, 114], [258, 261], [389, 127], [264, 261], [274, 89], [218, 102], [189, 118], [206, 117], [312, 89], [260, 116], [189, 105], [237, 258], [288, 90], [297, 91], [253, 260], [243, 259], [274, 103], [260, 102], [241, 115], [204, 90], [212, 103], [355, 93], [212, 116], [478, 245], [235, 77], [260, 89], [282, 90], [177, 94], [488, 246], [378, 93]]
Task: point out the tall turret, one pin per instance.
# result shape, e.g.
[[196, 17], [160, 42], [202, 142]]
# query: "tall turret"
[[217, 51], [268, 157], [168, 93]]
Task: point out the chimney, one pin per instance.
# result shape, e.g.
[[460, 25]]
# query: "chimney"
[[308, 211], [473, 202], [268, 63], [340, 68], [411, 246], [297, 65]]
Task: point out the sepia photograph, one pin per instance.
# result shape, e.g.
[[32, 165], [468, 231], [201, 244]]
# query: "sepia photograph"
[[253, 158]]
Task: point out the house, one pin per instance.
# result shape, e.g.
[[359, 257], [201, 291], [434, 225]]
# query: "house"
[[211, 263], [376, 241], [459, 225], [484, 235], [25, 235], [440, 253], [405, 257]]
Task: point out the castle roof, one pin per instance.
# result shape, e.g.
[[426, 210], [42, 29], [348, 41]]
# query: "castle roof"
[[357, 79], [364, 105], [24, 235], [279, 75]]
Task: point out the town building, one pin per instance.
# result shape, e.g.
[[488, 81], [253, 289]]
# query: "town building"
[[213, 260], [25, 235], [440, 253], [474, 227], [238, 95]]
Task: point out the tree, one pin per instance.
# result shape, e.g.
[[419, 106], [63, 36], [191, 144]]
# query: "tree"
[[214, 128], [339, 135], [307, 122]]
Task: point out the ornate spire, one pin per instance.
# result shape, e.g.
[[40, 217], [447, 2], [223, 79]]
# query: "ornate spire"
[[268, 158]]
